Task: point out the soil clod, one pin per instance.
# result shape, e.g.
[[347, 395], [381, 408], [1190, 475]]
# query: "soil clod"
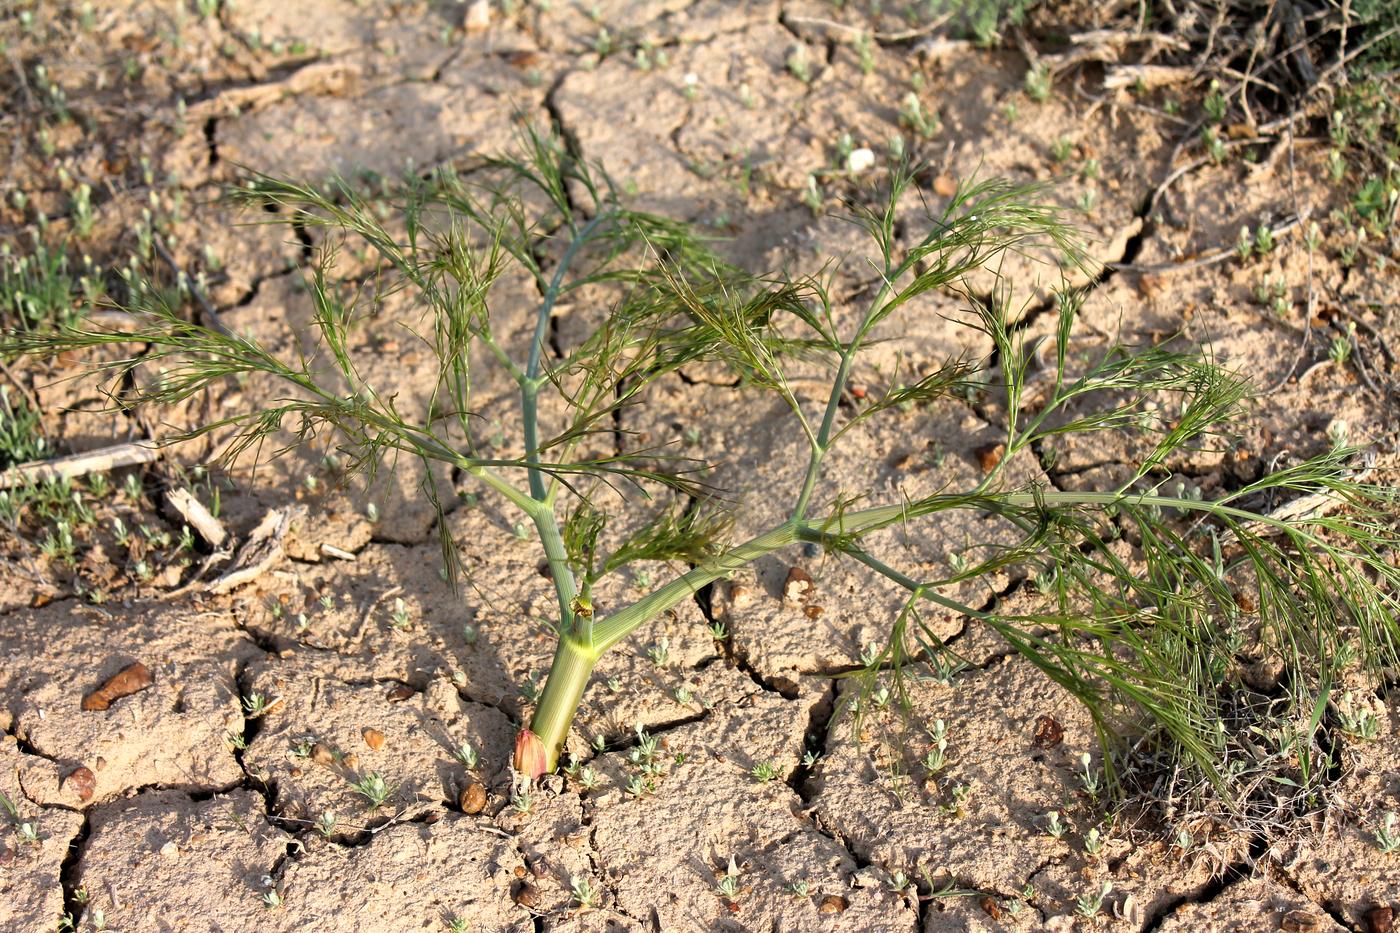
[[1299, 921], [131, 679]]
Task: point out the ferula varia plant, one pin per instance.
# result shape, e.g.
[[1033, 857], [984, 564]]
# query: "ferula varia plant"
[[1147, 642]]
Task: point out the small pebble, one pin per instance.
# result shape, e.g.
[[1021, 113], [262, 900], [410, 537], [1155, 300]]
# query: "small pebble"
[[322, 755], [833, 904], [170, 850], [374, 738], [399, 692], [1380, 919], [81, 782], [472, 799], [351, 761]]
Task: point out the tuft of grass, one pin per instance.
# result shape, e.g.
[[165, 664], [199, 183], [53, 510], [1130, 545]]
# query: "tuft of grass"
[[1146, 645]]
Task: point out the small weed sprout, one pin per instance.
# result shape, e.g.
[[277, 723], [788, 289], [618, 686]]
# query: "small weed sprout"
[[799, 888], [924, 124], [256, 705], [584, 894], [1214, 103], [325, 823], [1053, 826], [937, 756], [1363, 725], [522, 800], [1244, 244], [719, 631], [587, 778], [1093, 841], [467, 756], [763, 772], [660, 652], [400, 619], [272, 900], [1089, 905], [1388, 834], [728, 884], [1089, 778], [1039, 83], [1339, 351], [374, 789], [799, 63]]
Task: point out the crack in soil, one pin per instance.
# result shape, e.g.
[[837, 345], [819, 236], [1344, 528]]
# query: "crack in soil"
[[814, 742], [68, 872]]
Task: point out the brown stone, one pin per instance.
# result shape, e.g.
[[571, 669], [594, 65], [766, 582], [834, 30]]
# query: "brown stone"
[[990, 907], [472, 799], [1380, 919], [833, 904], [373, 738], [1048, 732], [350, 760], [399, 693], [322, 755], [130, 679], [81, 782]]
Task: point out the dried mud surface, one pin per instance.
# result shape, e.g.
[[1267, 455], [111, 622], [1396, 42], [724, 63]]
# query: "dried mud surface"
[[179, 808]]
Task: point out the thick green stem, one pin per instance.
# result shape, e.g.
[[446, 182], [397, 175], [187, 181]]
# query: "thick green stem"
[[568, 676], [564, 584], [575, 657]]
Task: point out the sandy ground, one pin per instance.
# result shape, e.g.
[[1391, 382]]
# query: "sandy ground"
[[175, 810]]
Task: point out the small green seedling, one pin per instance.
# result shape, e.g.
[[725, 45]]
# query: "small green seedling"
[[467, 756], [256, 704], [728, 884], [374, 789], [1089, 905], [1053, 826], [325, 823], [585, 895], [937, 756], [1388, 834], [1089, 777], [764, 772]]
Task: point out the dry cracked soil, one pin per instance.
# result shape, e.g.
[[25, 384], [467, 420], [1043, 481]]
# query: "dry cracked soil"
[[179, 807]]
